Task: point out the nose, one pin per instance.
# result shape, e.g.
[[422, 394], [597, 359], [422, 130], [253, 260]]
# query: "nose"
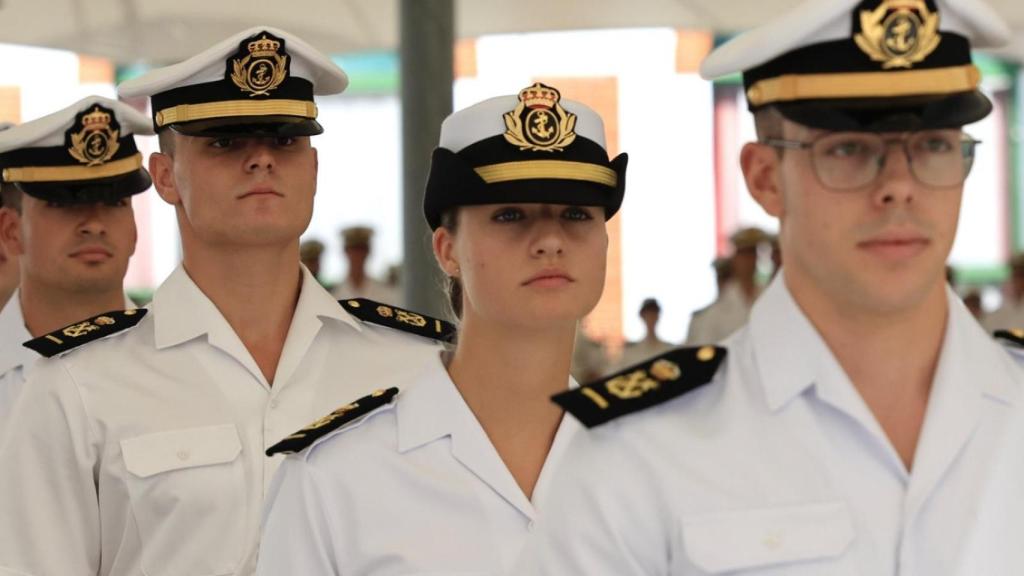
[[261, 156], [896, 182], [92, 223], [549, 241]]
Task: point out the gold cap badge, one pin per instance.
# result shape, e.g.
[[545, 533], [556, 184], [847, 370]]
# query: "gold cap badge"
[[539, 122], [899, 33], [95, 142], [263, 69]]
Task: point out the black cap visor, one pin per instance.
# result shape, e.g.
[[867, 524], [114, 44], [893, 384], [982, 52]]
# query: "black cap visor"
[[241, 126], [889, 114], [453, 182], [99, 191]]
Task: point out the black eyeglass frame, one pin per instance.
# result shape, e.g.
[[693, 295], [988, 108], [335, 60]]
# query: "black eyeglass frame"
[[968, 144]]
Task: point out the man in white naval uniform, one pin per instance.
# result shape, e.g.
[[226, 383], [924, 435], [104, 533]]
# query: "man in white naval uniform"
[[70, 238], [142, 452], [862, 419]]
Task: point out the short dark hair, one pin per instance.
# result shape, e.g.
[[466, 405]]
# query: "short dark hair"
[[166, 140], [768, 123], [10, 196], [453, 286]]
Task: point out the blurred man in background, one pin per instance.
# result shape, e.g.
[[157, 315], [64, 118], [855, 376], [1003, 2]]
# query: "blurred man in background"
[[358, 245]]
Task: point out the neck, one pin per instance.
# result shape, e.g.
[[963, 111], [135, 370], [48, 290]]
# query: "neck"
[[890, 356], [48, 308], [507, 375], [256, 290]]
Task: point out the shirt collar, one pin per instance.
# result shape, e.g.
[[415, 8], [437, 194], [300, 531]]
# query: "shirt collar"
[[181, 311], [791, 355], [433, 408], [12, 326], [430, 409]]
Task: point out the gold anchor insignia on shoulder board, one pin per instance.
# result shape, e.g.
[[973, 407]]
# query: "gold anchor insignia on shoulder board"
[[539, 122], [639, 382], [80, 329], [899, 33], [95, 143], [263, 69]]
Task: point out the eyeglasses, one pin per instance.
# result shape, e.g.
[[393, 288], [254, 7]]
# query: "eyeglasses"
[[854, 160]]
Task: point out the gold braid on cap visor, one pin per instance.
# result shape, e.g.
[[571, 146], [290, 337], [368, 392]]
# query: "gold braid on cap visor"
[[542, 169], [73, 173], [936, 81], [233, 109]]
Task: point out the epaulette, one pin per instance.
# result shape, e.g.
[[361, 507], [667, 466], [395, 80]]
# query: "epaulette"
[[73, 336], [647, 384], [399, 319], [1015, 337], [300, 440]]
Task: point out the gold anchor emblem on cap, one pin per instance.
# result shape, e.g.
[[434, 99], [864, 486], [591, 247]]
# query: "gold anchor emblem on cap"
[[263, 69], [95, 143], [899, 33], [539, 122]]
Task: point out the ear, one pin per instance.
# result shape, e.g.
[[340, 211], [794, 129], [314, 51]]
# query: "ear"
[[10, 232], [444, 251], [161, 169], [760, 164]]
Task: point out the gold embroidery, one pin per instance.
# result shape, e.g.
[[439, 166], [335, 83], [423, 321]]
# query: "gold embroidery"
[[632, 385], [899, 33]]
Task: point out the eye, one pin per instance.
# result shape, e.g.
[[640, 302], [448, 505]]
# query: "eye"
[[577, 213], [847, 149], [221, 142], [936, 144], [284, 141], [118, 203], [508, 214]]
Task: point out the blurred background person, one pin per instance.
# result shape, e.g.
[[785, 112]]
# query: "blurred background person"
[[1011, 314], [650, 345], [310, 252], [732, 307], [358, 245]]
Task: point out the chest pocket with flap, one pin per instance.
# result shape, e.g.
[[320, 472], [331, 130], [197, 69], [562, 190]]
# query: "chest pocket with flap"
[[188, 496], [789, 539]]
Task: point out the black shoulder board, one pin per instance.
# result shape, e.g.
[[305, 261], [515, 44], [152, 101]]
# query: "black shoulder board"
[[73, 336], [399, 319], [1015, 337], [647, 384], [303, 438]]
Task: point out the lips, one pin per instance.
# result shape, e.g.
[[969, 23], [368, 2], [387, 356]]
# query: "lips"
[[549, 278], [895, 246], [261, 191], [92, 253]]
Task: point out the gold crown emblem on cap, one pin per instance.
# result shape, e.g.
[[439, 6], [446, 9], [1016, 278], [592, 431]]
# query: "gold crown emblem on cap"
[[899, 33], [539, 122], [263, 69], [95, 143]]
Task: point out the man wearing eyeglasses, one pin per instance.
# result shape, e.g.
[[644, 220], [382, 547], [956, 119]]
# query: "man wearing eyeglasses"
[[863, 423]]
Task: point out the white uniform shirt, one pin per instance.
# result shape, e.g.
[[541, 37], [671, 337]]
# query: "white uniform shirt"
[[777, 467], [724, 316], [15, 360], [143, 453], [414, 487], [371, 289]]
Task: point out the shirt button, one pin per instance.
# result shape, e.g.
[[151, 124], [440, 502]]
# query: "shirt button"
[[772, 541], [531, 526], [273, 404], [183, 455]]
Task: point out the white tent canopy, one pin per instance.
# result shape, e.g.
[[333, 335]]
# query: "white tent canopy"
[[161, 31]]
